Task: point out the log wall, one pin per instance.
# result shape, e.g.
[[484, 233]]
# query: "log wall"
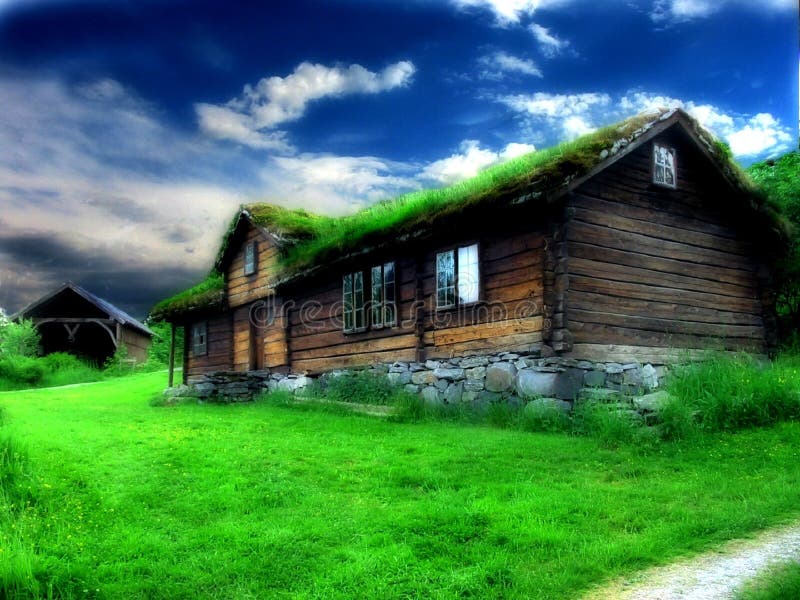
[[652, 269], [219, 356], [508, 317], [243, 289]]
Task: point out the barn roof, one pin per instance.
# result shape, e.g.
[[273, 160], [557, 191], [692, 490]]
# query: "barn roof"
[[112, 311], [308, 242]]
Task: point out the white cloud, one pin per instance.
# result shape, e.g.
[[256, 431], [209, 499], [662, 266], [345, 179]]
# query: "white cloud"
[[573, 113], [276, 100], [336, 184], [549, 43], [496, 66], [469, 161], [761, 133], [551, 118], [686, 10], [223, 123], [576, 126], [747, 136], [509, 12], [554, 106]]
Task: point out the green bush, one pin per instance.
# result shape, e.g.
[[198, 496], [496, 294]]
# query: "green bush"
[[608, 423], [362, 387], [61, 361], [19, 338], [544, 417], [731, 393], [21, 369]]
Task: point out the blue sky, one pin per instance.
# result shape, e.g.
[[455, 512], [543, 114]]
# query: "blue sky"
[[131, 131]]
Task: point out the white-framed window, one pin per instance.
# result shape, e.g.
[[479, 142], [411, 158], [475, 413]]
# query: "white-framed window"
[[383, 308], [353, 302], [250, 258], [457, 277], [200, 339], [665, 170]]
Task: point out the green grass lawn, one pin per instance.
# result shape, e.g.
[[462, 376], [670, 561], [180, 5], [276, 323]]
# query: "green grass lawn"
[[129, 500]]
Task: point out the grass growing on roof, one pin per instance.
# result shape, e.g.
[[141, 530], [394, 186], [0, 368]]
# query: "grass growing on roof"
[[542, 170], [209, 292]]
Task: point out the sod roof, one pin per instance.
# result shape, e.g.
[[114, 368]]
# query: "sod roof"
[[310, 241]]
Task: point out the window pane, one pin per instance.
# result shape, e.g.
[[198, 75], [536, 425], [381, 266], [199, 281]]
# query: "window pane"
[[358, 299], [376, 298], [389, 294], [445, 278], [664, 166], [249, 259], [468, 274], [347, 301]]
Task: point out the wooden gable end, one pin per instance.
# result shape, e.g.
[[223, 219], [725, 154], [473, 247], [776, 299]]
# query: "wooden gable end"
[[654, 270], [242, 287]]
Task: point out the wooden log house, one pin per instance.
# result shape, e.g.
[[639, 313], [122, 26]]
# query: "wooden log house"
[[637, 243]]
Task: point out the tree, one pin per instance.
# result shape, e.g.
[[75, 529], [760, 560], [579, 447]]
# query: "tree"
[[780, 181], [19, 338]]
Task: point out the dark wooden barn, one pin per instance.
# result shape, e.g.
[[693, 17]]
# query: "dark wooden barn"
[[641, 242], [71, 319]]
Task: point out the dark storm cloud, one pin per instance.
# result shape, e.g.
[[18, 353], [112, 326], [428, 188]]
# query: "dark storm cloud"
[[32, 264]]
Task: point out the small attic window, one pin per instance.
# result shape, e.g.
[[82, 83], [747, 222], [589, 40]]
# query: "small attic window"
[[250, 258], [664, 169]]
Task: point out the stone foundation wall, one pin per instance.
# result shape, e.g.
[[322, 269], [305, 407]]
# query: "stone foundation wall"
[[499, 377]]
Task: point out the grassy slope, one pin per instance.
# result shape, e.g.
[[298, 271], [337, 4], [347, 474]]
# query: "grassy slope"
[[264, 500], [781, 582]]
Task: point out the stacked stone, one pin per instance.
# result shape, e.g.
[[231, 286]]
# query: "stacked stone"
[[502, 377]]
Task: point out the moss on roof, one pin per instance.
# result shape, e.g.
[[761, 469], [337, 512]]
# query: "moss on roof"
[[208, 294], [309, 240]]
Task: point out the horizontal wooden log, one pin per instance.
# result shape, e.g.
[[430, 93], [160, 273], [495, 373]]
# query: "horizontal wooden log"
[[661, 232], [639, 291], [607, 237], [337, 336], [658, 309], [594, 333], [487, 330], [321, 365], [650, 211], [664, 265], [601, 270], [397, 342], [626, 353], [669, 326], [525, 342]]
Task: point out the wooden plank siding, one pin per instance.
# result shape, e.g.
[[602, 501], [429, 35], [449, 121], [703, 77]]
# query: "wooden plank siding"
[[219, 355], [243, 289], [136, 343], [508, 317], [652, 270]]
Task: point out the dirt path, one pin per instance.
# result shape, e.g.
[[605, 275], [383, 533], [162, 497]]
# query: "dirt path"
[[711, 576]]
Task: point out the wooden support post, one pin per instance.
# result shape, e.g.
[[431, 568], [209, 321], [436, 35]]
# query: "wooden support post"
[[172, 356]]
